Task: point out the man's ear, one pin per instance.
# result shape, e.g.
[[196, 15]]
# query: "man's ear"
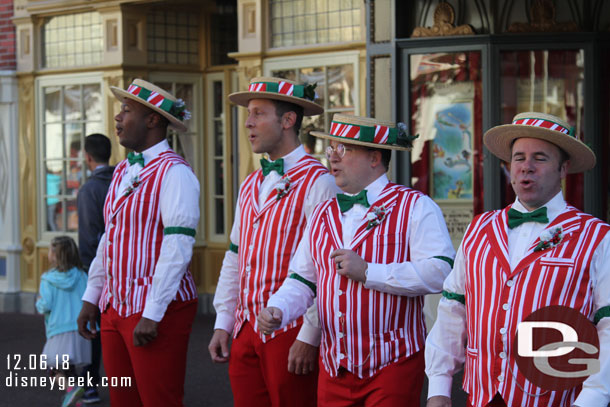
[[152, 120], [563, 169], [288, 120], [375, 156]]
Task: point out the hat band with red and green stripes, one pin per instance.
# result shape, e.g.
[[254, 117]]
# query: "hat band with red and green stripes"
[[155, 99], [547, 124], [281, 87], [370, 134]]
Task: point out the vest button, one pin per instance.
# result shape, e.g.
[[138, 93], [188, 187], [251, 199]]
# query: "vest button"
[[503, 330], [510, 283], [505, 307]]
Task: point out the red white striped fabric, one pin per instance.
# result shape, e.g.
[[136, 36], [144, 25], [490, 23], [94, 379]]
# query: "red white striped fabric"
[[285, 88], [497, 299], [154, 98], [268, 239], [542, 123], [257, 87], [353, 131], [134, 233], [364, 330]]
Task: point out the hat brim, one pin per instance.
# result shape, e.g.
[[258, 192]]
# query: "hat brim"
[[121, 94], [346, 140], [243, 98], [499, 141]]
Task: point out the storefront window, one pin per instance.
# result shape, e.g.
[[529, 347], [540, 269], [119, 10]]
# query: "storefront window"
[[446, 112], [72, 40], [172, 37], [69, 113], [547, 81]]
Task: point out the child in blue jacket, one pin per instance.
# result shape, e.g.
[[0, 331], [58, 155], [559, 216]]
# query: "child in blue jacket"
[[61, 289]]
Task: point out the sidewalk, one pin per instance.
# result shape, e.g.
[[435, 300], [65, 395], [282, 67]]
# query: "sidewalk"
[[206, 384]]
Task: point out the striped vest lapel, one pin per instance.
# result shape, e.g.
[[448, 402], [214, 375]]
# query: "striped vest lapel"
[[496, 231], [571, 224], [387, 200], [331, 218], [295, 174]]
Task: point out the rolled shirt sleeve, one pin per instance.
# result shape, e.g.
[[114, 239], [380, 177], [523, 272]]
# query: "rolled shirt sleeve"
[[431, 256], [179, 204]]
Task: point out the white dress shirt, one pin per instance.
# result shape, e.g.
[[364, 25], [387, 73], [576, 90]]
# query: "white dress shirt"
[[179, 204]]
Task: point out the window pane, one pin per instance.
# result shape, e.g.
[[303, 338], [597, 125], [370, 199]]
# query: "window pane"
[[72, 102], [220, 216], [72, 40], [71, 216], [52, 104], [169, 34], [219, 177], [52, 190], [341, 86], [74, 177], [53, 141]]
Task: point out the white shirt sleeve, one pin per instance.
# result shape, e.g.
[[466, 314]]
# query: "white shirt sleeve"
[[431, 253], [446, 343], [179, 204], [227, 289], [596, 389], [96, 277], [322, 189]]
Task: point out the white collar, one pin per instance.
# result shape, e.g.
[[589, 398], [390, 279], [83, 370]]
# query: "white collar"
[[553, 207], [153, 152], [373, 190]]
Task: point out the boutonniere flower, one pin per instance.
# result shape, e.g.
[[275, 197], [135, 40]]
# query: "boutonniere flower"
[[549, 238], [375, 216], [179, 110], [135, 183], [282, 187]]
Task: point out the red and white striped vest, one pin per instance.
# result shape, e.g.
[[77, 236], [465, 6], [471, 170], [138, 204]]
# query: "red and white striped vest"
[[364, 330], [269, 237], [134, 233], [497, 299]]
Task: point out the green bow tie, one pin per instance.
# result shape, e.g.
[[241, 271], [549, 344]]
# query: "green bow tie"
[[347, 201], [268, 166], [516, 218], [134, 158]]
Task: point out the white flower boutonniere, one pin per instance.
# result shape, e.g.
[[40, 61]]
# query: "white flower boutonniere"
[[135, 183], [549, 238], [375, 216], [282, 187]]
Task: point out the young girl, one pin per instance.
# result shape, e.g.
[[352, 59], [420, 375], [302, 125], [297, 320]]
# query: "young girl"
[[61, 289]]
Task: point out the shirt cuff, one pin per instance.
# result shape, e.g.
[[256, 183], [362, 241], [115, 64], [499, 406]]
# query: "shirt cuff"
[[439, 386], [281, 305], [310, 335], [92, 295], [154, 310], [590, 398], [375, 276], [224, 321]]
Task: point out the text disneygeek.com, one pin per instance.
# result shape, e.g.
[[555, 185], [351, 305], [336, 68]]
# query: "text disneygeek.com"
[[26, 370]]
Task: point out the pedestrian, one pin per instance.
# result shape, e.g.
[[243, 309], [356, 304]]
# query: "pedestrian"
[[536, 253], [140, 276], [90, 204], [61, 288], [370, 255], [273, 206]]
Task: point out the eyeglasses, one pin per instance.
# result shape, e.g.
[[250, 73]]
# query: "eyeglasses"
[[340, 150]]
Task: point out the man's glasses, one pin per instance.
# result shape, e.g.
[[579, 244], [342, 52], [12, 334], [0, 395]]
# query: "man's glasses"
[[340, 150]]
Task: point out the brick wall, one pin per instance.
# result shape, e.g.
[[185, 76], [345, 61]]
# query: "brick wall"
[[8, 40]]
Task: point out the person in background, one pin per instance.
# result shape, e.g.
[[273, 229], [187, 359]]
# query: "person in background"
[[61, 288], [90, 204]]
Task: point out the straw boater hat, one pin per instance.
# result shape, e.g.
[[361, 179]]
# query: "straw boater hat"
[[499, 140], [280, 89], [156, 99], [369, 132]]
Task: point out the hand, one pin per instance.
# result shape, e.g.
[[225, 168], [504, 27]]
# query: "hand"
[[269, 320], [302, 358], [439, 401], [349, 264], [144, 332], [88, 314], [219, 346]]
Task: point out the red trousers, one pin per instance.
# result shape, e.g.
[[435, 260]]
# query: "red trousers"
[[398, 384], [497, 401], [259, 372], [157, 369]]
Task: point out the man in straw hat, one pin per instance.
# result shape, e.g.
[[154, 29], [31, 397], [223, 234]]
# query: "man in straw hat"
[[539, 259], [370, 255], [273, 206], [140, 276]]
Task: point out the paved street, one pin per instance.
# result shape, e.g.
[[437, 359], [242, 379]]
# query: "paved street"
[[206, 384]]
